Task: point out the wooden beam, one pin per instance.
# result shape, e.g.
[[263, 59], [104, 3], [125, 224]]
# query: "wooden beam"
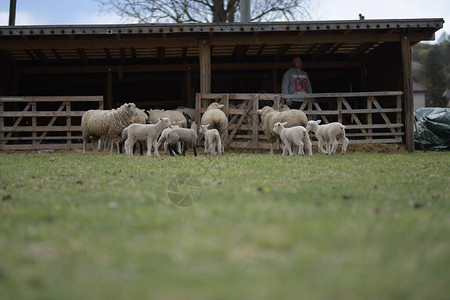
[[216, 40], [56, 54], [407, 93], [123, 55], [108, 53], [360, 50], [161, 54], [82, 54], [205, 66], [183, 67], [282, 51], [323, 48], [40, 54]]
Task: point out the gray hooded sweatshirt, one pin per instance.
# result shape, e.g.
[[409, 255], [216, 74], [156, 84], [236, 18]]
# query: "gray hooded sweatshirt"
[[296, 81]]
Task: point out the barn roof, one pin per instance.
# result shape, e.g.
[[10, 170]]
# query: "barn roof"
[[344, 40]]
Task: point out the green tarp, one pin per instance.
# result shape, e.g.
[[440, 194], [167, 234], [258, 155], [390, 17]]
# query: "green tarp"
[[433, 127]]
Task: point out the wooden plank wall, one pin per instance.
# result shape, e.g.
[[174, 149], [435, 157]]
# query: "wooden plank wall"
[[32, 123], [369, 117]]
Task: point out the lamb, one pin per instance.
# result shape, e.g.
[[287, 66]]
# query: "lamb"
[[331, 134], [144, 132], [163, 138], [217, 120], [212, 140], [270, 116], [176, 117], [297, 135], [97, 123], [186, 135]]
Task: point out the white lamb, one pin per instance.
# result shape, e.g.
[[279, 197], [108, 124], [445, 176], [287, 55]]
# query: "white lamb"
[[176, 117], [297, 135], [212, 140], [332, 134], [185, 135], [163, 138], [144, 132]]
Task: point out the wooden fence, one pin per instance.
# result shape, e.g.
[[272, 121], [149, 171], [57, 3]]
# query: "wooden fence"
[[28, 123], [370, 117]]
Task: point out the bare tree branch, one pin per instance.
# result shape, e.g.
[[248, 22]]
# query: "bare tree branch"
[[199, 11]]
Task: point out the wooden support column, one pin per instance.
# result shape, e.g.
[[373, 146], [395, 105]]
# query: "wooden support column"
[[276, 86], [109, 96], [205, 66], [408, 95], [188, 88]]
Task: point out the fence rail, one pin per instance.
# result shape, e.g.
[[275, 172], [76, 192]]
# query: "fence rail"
[[369, 117], [45, 122]]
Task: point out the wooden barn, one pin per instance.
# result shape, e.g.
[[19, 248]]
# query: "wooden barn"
[[360, 72]]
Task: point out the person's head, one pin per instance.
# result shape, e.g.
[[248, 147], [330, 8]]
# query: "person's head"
[[297, 62]]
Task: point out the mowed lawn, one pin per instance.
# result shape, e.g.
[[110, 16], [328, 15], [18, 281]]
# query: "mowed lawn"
[[354, 226]]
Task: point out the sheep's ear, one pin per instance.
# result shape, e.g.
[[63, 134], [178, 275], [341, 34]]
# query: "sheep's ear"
[[160, 119], [284, 123], [319, 121], [129, 104], [207, 125]]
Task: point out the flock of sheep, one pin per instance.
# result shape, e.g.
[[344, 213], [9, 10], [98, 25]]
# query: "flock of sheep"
[[175, 130]]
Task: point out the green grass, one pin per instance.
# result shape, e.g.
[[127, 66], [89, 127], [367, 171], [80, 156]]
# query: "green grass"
[[354, 226]]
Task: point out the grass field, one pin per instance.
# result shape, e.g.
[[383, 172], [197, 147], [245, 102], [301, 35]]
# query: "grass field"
[[354, 226]]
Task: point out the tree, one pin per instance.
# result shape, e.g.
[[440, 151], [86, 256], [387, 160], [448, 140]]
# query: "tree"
[[435, 77], [205, 11]]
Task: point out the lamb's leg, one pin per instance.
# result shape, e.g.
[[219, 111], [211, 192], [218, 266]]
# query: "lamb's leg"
[[184, 149], [206, 147], [173, 150], [300, 148], [320, 146], [179, 146], [195, 150], [271, 148], [149, 147], [308, 145], [288, 147], [219, 147], [155, 148], [333, 144], [344, 144]]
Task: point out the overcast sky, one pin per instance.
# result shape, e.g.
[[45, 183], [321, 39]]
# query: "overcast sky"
[[51, 12]]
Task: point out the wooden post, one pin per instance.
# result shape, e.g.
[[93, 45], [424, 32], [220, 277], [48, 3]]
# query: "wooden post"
[[408, 95], [255, 122], [33, 122], [205, 66], [109, 92], [69, 123], [188, 88], [369, 117], [276, 87], [198, 107]]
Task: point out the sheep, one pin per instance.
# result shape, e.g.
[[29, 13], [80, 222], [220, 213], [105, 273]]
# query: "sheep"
[[163, 138], [176, 117], [297, 135], [217, 120], [331, 134], [270, 116], [212, 140], [97, 123], [107, 141], [144, 132], [185, 135], [189, 111]]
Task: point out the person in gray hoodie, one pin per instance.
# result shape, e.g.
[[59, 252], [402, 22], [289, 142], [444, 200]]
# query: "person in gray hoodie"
[[296, 81]]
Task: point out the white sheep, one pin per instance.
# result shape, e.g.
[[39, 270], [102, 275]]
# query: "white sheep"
[[297, 135], [96, 123], [163, 138], [217, 120], [176, 117], [212, 140], [332, 134], [185, 135], [107, 142], [189, 111], [270, 116], [144, 132]]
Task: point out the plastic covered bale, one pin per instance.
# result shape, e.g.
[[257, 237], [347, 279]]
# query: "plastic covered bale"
[[433, 127]]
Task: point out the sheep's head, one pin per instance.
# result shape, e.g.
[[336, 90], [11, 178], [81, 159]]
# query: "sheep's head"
[[165, 122], [215, 105], [313, 125], [265, 110], [278, 127], [194, 127], [203, 128]]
